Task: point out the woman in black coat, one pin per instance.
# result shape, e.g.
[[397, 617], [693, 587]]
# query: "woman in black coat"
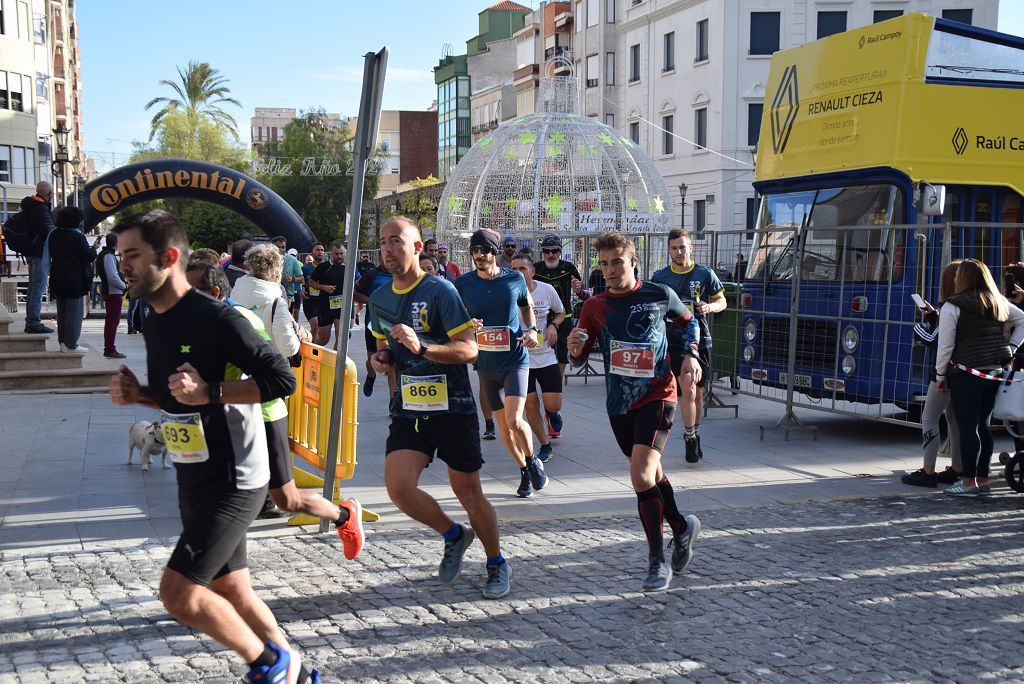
[[70, 276]]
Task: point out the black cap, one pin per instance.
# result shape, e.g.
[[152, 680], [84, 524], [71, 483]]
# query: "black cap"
[[487, 238], [551, 241]]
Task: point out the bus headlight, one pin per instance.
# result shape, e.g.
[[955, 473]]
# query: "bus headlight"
[[849, 365], [750, 331], [851, 339], [748, 353]]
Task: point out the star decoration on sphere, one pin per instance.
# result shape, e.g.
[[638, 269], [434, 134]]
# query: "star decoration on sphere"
[[486, 210], [606, 139], [589, 149], [631, 204], [558, 137], [657, 205], [511, 203], [554, 204], [626, 141], [554, 150], [454, 204], [484, 142], [510, 153], [527, 137]]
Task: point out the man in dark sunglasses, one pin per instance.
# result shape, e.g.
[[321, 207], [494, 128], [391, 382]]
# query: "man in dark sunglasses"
[[508, 250], [565, 278]]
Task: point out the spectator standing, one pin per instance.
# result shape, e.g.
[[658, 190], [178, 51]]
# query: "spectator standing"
[[40, 220], [508, 252], [740, 271], [971, 338], [291, 274], [260, 290], [236, 269], [936, 403], [449, 269], [72, 259], [112, 287]]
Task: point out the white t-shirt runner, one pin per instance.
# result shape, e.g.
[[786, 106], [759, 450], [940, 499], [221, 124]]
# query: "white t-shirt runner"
[[545, 300]]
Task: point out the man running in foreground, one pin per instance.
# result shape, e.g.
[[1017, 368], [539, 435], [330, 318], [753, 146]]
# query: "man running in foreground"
[[628, 322], [214, 432], [425, 337]]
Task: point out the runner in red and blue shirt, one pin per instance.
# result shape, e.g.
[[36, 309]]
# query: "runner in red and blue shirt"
[[627, 320]]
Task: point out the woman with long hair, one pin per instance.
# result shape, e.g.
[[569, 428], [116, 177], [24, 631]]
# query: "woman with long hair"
[[937, 403], [972, 337]]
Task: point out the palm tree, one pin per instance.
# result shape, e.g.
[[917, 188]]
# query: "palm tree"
[[201, 94]]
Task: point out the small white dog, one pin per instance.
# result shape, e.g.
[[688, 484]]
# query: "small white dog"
[[147, 437]]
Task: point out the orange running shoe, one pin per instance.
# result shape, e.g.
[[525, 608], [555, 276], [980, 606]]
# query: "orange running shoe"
[[351, 533]]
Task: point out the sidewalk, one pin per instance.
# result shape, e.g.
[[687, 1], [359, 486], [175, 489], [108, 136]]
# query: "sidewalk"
[[815, 563]]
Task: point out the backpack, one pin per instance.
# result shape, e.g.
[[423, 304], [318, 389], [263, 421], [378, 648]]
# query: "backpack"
[[18, 233]]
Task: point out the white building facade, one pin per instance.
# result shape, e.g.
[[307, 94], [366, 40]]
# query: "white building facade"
[[698, 68]]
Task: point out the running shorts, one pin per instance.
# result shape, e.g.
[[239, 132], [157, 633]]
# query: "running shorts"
[[648, 425], [455, 437]]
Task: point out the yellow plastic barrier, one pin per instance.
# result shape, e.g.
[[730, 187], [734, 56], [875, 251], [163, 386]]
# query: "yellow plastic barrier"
[[309, 416]]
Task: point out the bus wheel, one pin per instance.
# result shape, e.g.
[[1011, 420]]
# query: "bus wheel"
[[1004, 458], [1014, 473]]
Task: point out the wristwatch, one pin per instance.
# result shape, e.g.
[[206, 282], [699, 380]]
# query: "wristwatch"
[[423, 349], [216, 392], [533, 328]]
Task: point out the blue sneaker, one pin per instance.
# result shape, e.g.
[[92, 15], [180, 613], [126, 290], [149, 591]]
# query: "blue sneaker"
[[451, 561], [555, 424], [538, 478], [545, 453], [314, 676], [368, 385], [284, 671], [489, 430], [498, 581]]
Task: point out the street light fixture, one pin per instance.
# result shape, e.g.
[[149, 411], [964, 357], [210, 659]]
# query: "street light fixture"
[[682, 206], [60, 160]]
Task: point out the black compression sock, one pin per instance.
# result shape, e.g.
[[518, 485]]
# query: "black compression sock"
[[652, 514], [672, 514], [268, 658]]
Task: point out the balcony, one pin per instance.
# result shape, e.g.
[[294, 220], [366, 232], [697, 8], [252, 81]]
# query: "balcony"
[[563, 19], [557, 51]]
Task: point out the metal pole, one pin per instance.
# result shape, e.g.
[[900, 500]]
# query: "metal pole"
[[374, 67]]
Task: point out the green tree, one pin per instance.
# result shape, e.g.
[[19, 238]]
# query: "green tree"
[[309, 172], [211, 225], [201, 95]]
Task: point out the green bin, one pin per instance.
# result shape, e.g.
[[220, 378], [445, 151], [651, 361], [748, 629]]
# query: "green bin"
[[726, 328]]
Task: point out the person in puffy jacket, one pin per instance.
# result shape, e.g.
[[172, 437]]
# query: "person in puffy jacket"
[[936, 403], [260, 290], [973, 326], [71, 260]]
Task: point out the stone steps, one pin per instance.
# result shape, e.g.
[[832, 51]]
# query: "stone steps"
[[39, 360], [80, 380], [23, 342]]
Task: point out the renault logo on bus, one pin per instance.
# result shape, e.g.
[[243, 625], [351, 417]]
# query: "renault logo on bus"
[[960, 141], [784, 109]]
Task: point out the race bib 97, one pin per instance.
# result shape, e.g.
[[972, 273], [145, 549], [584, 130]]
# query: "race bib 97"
[[632, 359]]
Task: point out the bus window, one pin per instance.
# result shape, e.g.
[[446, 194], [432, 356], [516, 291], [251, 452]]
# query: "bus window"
[[841, 238], [1011, 237], [982, 235]]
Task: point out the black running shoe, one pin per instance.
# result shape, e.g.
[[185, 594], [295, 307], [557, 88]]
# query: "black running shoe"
[[544, 454], [682, 544], [700, 452], [947, 476], [692, 455], [525, 490], [919, 478], [489, 431], [659, 574], [538, 478]]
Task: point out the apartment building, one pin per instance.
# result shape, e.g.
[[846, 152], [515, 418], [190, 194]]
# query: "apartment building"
[[40, 91]]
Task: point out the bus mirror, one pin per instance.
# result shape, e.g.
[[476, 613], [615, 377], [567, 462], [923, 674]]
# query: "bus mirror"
[[933, 199]]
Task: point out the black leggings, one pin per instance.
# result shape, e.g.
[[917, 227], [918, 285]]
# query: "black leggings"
[[973, 399]]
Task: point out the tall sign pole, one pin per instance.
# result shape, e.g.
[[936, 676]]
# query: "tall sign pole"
[[364, 145]]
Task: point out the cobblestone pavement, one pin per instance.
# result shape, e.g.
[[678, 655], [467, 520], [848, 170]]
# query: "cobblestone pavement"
[[886, 589]]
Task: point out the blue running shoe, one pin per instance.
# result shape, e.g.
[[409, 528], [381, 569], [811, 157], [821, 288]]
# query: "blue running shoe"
[[555, 424], [538, 478], [498, 581], [368, 385], [451, 561], [284, 671], [545, 453]]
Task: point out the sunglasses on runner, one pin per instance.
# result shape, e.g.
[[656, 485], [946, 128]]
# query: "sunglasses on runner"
[[555, 250], [481, 249]]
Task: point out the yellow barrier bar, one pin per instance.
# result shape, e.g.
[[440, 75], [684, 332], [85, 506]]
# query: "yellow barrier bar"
[[309, 413]]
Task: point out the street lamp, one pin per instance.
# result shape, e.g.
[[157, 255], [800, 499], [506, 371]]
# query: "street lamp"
[[75, 164], [60, 159], [682, 206]]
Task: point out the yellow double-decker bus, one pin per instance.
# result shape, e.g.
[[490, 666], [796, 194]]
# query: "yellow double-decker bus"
[[885, 151]]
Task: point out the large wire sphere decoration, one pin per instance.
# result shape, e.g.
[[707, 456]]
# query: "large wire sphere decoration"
[[554, 172]]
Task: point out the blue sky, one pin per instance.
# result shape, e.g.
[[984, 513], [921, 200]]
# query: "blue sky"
[[303, 54]]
